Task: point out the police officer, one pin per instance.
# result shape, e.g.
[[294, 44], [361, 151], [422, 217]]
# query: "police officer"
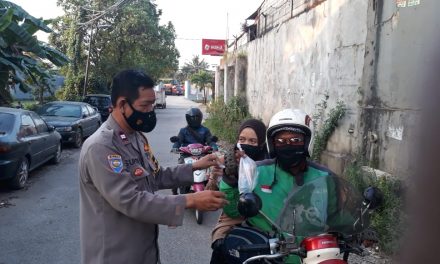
[[119, 177]]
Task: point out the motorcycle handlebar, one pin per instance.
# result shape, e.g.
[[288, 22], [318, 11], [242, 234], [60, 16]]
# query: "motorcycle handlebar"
[[256, 247]]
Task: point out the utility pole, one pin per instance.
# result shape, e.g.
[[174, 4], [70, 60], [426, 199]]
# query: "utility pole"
[[88, 62]]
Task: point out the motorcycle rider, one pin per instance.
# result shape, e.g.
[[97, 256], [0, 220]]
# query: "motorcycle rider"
[[252, 138], [289, 142], [193, 133]]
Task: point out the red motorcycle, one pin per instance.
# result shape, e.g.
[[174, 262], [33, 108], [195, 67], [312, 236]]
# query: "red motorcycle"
[[322, 221]]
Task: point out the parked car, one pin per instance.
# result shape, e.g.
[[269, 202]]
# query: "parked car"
[[161, 101], [73, 120], [168, 89], [26, 142], [102, 102], [178, 90]]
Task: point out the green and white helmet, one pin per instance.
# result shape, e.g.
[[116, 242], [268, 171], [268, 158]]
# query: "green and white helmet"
[[294, 120]]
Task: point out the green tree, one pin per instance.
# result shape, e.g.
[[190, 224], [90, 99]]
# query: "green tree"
[[128, 36], [203, 80], [21, 54], [192, 67]]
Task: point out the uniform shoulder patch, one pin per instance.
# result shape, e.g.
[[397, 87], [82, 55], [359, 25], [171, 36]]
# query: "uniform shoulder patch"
[[115, 162]]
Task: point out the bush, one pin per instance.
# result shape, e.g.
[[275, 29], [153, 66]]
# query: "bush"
[[224, 119], [31, 105], [390, 219]]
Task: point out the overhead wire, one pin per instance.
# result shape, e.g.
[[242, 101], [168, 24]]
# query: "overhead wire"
[[101, 13]]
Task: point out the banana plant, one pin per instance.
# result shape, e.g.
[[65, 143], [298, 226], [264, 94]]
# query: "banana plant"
[[22, 55]]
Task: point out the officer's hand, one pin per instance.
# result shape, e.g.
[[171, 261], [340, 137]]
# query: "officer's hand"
[[206, 162], [206, 200]]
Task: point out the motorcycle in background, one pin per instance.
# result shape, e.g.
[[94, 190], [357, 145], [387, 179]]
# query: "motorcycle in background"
[[189, 154], [322, 221]]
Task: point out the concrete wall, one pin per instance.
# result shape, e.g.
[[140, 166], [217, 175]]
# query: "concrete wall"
[[219, 83], [366, 53], [391, 108], [240, 78], [318, 55]]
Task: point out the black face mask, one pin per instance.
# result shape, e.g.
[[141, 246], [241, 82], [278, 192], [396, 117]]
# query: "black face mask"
[[290, 156], [139, 121], [253, 152]]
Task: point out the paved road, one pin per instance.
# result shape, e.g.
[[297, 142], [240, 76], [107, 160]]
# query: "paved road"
[[40, 224]]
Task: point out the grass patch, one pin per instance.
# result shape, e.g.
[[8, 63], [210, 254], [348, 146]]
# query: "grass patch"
[[390, 219]]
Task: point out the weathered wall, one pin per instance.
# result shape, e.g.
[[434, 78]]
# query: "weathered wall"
[[219, 83], [240, 76], [369, 54], [318, 55], [400, 39]]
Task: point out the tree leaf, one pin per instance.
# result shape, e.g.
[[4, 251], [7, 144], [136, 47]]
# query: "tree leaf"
[[21, 14], [3, 43], [55, 56], [6, 19], [13, 67], [25, 40]]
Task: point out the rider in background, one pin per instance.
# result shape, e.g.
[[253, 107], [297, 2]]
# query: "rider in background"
[[194, 132]]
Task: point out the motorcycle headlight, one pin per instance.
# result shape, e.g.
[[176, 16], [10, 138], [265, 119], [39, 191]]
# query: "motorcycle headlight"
[[196, 151]]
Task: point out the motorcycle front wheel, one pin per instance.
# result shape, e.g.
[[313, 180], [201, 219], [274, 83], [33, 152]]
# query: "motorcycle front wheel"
[[199, 216], [184, 189]]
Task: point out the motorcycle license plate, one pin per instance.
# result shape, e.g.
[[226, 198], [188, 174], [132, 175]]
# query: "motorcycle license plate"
[[189, 160]]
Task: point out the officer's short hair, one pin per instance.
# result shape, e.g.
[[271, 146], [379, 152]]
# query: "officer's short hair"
[[126, 84]]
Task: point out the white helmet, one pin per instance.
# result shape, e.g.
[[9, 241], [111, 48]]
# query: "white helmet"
[[295, 120]]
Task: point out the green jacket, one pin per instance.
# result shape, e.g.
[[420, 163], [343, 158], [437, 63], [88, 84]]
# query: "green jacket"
[[273, 201]]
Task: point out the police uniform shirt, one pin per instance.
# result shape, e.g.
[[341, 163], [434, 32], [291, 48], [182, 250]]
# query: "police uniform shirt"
[[119, 209]]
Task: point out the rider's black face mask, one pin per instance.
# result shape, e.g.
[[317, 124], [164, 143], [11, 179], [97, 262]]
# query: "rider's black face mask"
[[289, 156]]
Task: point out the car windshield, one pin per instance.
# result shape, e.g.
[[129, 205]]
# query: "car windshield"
[[98, 101], [6, 123], [63, 110], [326, 204]]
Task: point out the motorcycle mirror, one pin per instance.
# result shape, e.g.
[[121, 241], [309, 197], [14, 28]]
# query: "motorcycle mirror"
[[249, 205], [373, 197], [214, 139], [174, 139]]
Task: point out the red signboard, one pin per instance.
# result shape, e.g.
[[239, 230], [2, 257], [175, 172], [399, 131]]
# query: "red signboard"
[[214, 47]]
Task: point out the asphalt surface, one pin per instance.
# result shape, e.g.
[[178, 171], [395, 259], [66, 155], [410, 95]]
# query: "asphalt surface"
[[40, 224]]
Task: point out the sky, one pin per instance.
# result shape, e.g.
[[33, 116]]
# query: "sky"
[[192, 19]]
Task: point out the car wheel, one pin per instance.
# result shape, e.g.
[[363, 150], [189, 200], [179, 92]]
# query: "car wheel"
[[78, 139], [20, 178], [57, 156]]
